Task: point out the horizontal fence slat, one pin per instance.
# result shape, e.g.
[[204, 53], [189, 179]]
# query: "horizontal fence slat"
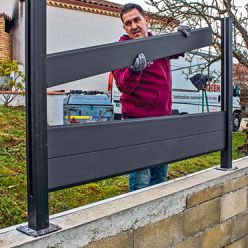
[[73, 65], [77, 139], [75, 170]]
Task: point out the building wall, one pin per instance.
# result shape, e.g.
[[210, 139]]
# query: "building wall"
[[5, 41], [8, 6], [19, 33], [67, 29], [15, 10], [208, 209], [71, 29]]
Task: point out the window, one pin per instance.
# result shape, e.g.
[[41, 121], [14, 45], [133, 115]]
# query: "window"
[[8, 25]]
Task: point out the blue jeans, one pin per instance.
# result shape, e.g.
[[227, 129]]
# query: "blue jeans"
[[148, 177]]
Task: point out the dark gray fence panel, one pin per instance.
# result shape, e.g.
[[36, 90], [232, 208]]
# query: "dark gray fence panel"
[[74, 170], [99, 159], [81, 63], [76, 139]]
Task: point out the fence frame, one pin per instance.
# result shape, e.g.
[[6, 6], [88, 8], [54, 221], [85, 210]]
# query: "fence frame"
[[140, 142]]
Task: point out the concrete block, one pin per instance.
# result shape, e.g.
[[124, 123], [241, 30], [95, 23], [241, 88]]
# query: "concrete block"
[[161, 234], [235, 184], [233, 204], [240, 226], [124, 240], [198, 218], [188, 243], [204, 195], [217, 236]]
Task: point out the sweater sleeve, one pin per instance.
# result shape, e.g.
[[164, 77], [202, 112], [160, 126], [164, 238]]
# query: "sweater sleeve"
[[126, 81]]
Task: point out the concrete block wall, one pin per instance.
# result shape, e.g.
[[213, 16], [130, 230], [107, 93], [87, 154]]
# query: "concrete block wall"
[[208, 209], [5, 40], [213, 217]]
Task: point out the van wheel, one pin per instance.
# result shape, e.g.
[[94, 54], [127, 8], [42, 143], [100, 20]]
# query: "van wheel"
[[236, 121]]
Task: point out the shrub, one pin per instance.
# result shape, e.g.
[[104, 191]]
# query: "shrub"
[[11, 81]]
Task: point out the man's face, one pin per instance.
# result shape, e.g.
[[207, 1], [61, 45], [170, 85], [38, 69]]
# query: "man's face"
[[135, 24]]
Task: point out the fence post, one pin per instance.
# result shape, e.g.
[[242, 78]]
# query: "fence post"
[[227, 88], [36, 120]]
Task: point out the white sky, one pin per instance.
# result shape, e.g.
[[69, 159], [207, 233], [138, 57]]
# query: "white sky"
[[147, 7], [140, 2]]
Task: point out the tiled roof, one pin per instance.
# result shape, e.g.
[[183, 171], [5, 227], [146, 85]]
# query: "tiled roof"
[[103, 3], [94, 6], [103, 7]]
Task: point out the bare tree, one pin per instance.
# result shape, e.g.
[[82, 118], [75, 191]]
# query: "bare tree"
[[197, 13]]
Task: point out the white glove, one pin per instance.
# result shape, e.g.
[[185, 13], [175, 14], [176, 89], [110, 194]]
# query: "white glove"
[[139, 63]]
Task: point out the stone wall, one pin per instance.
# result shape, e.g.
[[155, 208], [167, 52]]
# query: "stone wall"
[[214, 217], [206, 209], [5, 40]]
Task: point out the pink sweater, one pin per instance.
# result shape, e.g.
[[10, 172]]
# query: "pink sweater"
[[148, 93]]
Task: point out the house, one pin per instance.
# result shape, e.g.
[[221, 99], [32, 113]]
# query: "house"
[[71, 24], [11, 30]]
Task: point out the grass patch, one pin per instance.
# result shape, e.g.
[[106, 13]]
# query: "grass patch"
[[13, 200], [206, 161]]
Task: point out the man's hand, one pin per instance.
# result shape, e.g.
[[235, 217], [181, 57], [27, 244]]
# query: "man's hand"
[[185, 30], [139, 63]]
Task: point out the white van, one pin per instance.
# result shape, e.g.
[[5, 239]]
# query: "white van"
[[186, 98]]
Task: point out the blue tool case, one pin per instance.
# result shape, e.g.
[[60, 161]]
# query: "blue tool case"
[[87, 106]]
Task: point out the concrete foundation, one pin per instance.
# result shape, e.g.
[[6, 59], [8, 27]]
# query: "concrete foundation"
[[185, 212]]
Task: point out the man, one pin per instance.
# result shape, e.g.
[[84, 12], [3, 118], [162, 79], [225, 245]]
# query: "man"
[[145, 87]]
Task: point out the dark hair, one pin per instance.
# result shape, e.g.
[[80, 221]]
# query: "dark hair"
[[130, 6]]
